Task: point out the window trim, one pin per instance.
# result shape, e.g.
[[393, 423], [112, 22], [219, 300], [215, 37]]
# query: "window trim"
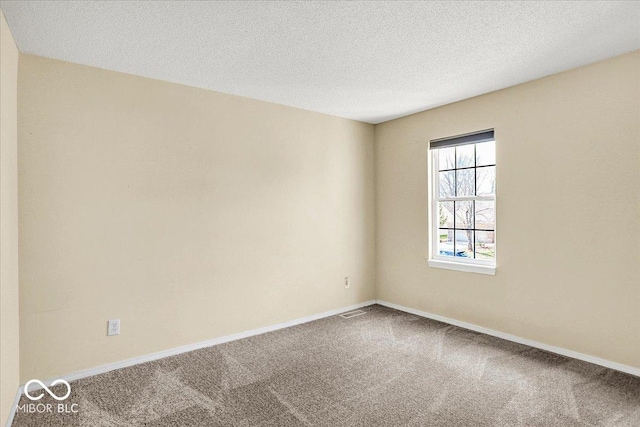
[[462, 266], [446, 262]]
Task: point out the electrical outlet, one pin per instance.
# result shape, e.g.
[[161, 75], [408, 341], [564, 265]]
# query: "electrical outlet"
[[113, 327], [347, 282]]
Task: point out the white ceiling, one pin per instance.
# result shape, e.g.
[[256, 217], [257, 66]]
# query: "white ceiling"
[[368, 61]]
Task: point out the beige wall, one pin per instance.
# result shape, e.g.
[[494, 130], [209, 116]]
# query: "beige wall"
[[9, 329], [187, 214], [568, 209], [190, 214]]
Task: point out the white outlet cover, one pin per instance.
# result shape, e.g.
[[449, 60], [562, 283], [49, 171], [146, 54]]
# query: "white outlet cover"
[[113, 327]]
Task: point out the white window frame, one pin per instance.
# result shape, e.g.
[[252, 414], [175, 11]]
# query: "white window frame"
[[451, 262]]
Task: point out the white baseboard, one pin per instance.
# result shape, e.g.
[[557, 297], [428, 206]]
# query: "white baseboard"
[[553, 349], [183, 349], [12, 412]]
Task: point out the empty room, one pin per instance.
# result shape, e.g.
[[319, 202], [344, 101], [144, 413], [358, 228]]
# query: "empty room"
[[319, 213]]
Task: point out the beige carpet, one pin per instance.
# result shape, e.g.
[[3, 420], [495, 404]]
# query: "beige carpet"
[[384, 368]]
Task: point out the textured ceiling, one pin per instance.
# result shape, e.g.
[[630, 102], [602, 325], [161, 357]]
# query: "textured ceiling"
[[369, 61]]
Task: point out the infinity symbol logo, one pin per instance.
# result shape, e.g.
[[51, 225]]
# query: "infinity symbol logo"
[[52, 394]]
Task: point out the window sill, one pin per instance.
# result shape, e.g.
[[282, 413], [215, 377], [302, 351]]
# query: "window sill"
[[458, 266]]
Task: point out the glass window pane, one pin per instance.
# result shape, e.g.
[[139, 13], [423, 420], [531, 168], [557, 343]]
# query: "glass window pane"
[[465, 156], [464, 243], [464, 214], [486, 153], [447, 182], [466, 182], [446, 158], [486, 181], [445, 242], [485, 245], [485, 215], [445, 214]]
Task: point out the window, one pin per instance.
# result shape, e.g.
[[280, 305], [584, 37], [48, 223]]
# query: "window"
[[463, 202]]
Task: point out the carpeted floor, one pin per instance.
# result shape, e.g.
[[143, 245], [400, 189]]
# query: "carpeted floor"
[[383, 368]]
